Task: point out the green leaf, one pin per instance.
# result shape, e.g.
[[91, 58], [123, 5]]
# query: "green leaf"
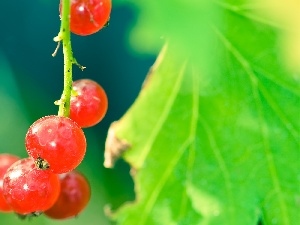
[[214, 134]]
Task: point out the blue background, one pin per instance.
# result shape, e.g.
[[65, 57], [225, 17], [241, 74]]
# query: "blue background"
[[31, 80]]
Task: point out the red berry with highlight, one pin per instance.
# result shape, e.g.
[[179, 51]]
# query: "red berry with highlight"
[[89, 16], [89, 103], [74, 196], [58, 141], [6, 160], [28, 189]]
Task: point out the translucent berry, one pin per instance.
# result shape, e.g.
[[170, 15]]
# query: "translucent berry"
[[6, 160], [74, 196], [89, 16], [56, 142], [28, 189], [89, 103]]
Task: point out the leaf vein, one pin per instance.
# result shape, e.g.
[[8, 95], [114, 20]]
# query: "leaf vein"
[[161, 182], [193, 131], [263, 128], [239, 10], [284, 120], [224, 170], [175, 159], [283, 84], [145, 151]]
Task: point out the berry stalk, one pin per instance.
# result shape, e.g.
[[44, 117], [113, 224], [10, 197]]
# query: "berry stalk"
[[64, 36]]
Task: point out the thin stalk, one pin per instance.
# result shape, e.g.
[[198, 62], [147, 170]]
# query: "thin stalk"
[[64, 36]]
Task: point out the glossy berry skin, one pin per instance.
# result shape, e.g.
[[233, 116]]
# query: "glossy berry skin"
[[89, 16], [89, 104], [57, 140], [28, 189], [74, 196], [6, 160]]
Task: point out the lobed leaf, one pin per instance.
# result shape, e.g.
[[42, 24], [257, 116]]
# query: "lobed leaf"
[[214, 133]]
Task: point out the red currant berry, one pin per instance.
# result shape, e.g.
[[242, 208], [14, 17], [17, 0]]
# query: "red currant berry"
[[6, 160], [74, 195], [57, 140], [89, 16], [89, 105], [28, 189]]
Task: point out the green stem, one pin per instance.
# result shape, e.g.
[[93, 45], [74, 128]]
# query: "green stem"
[[65, 36]]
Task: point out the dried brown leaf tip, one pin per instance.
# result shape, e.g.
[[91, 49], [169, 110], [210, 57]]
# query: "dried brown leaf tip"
[[114, 147]]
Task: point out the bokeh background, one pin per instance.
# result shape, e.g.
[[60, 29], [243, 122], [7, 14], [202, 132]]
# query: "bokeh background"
[[31, 80]]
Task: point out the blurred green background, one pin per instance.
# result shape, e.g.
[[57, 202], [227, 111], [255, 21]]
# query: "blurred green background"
[[31, 80]]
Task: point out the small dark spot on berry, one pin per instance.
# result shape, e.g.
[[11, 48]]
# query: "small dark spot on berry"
[[41, 164], [29, 216], [107, 23]]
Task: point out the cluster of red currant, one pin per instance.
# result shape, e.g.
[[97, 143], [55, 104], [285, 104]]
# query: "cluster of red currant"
[[46, 181], [29, 191]]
